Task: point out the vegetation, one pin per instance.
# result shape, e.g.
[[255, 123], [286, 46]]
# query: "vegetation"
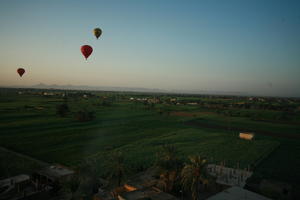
[[195, 176], [84, 115], [117, 168], [62, 110], [13, 164], [170, 164], [127, 122], [72, 186]]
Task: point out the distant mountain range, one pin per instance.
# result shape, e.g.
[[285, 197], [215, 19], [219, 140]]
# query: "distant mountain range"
[[127, 89]]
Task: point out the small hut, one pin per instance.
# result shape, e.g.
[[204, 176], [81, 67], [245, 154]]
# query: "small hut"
[[247, 136]]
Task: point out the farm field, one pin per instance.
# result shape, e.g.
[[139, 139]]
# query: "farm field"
[[14, 164], [29, 125]]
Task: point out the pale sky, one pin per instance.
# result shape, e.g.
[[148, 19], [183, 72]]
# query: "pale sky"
[[248, 46]]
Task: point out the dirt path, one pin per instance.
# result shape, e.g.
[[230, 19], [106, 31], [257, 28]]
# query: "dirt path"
[[204, 125], [25, 156]]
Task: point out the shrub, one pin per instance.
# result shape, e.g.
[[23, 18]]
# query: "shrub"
[[84, 115], [62, 110]]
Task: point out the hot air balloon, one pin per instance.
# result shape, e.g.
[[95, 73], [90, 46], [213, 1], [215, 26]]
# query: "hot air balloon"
[[86, 50], [21, 71], [97, 32]]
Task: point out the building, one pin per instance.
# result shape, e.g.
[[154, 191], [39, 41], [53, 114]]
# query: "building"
[[151, 193], [142, 180], [140, 186], [153, 100], [238, 194], [51, 174], [21, 187], [246, 136], [192, 103], [48, 94], [13, 184], [229, 176]]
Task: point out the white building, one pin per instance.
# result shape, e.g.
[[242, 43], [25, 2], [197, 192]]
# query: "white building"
[[229, 176]]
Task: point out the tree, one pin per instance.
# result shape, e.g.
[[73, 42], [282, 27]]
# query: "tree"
[[62, 109], [160, 111], [169, 164], [194, 176], [72, 185], [84, 115], [168, 158], [89, 172], [117, 167]]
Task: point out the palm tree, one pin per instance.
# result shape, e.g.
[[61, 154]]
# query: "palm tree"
[[169, 164], [194, 175], [73, 185], [168, 158], [117, 167], [89, 174]]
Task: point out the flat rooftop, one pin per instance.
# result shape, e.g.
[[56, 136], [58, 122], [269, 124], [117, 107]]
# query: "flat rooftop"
[[229, 176], [148, 193], [14, 179], [56, 171], [237, 193]]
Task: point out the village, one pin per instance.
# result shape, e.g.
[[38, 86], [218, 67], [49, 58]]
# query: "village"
[[216, 181]]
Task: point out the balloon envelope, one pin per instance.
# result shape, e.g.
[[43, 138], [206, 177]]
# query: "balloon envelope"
[[86, 50], [21, 71], [97, 32]]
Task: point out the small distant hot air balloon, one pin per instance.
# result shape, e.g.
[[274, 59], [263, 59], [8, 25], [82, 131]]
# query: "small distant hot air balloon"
[[86, 50], [97, 32], [21, 71]]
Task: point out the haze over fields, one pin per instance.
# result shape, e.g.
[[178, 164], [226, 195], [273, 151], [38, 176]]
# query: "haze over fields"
[[248, 47]]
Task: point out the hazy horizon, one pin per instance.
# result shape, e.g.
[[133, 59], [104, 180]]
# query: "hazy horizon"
[[238, 46], [100, 88]]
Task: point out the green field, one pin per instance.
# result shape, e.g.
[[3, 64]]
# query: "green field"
[[29, 125], [13, 164]]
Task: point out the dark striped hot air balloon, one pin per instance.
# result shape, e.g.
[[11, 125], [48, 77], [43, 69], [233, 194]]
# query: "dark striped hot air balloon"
[[97, 32]]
